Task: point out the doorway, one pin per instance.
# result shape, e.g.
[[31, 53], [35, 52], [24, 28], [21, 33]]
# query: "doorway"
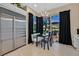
[[60, 27], [54, 26]]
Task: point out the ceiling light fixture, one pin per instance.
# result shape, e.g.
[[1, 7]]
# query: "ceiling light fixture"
[[35, 5]]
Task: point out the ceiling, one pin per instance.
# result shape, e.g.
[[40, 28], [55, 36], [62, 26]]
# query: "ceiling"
[[38, 7]]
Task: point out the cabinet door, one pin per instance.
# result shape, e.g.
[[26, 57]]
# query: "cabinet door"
[[20, 41], [6, 33], [6, 29], [19, 32], [7, 46]]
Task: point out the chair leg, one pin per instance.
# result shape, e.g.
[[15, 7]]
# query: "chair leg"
[[44, 45], [50, 42], [48, 45], [41, 44], [36, 43]]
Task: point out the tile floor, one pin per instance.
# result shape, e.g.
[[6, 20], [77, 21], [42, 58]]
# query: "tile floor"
[[56, 50]]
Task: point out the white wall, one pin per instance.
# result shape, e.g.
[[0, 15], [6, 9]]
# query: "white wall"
[[74, 16]]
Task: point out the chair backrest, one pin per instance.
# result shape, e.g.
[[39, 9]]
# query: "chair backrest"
[[46, 36], [34, 36]]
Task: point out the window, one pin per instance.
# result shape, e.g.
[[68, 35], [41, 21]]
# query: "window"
[[34, 24], [55, 26]]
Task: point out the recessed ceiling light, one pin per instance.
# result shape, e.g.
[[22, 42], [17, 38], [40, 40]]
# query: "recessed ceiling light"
[[35, 5]]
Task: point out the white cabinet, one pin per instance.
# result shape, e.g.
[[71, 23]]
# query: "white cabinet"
[[19, 32], [19, 41], [6, 28], [7, 46], [12, 33], [6, 33]]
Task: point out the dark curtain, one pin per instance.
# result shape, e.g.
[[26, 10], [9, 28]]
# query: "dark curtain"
[[30, 29], [65, 33], [39, 25]]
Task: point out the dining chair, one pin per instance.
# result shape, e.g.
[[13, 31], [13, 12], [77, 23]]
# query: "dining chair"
[[36, 38], [45, 41]]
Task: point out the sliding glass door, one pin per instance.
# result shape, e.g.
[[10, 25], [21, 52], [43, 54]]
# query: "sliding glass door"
[[54, 20]]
